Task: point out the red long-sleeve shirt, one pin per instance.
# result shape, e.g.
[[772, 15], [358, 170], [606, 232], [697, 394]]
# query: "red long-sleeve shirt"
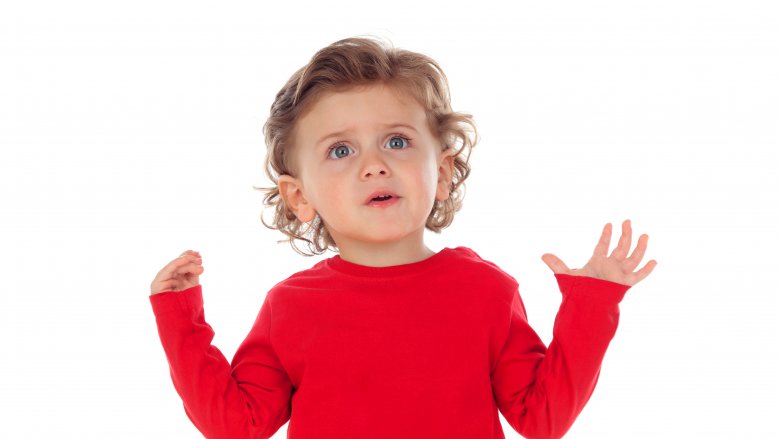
[[432, 349]]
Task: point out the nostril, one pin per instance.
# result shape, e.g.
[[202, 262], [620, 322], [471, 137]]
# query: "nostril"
[[375, 169]]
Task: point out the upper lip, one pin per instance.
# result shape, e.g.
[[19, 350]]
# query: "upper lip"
[[379, 193]]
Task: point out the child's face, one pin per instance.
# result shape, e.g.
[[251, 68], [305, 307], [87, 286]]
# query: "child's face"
[[339, 175]]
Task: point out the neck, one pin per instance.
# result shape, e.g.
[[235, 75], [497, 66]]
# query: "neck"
[[385, 254]]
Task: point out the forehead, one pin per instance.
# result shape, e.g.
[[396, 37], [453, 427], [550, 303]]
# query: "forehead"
[[357, 108]]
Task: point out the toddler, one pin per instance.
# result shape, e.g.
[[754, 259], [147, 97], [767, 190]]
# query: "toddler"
[[386, 339]]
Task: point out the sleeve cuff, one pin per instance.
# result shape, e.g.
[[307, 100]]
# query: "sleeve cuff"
[[177, 301], [592, 287]]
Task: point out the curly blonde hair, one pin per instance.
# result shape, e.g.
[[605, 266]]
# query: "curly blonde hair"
[[348, 63]]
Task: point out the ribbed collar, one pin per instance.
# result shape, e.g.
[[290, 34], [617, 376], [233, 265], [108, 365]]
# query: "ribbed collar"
[[337, 264]]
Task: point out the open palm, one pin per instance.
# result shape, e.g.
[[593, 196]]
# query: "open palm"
[[616, 267]]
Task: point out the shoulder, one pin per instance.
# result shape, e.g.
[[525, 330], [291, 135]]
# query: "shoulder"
[[307, 279], [471, 268], [467, 257]]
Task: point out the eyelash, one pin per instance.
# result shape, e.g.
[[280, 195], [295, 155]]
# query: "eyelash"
[[408, 142]]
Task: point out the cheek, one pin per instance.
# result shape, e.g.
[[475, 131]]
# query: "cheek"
[[329, 190], [422, 168], [429, 174]]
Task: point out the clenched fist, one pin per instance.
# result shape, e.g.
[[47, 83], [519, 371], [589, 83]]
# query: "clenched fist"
[[180, 274]]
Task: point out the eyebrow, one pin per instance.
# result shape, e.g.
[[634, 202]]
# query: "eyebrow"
[[386, 126]]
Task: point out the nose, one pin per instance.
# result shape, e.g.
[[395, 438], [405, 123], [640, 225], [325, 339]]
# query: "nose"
[[374, 166]]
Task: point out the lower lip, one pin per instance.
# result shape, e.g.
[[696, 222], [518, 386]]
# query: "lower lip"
[[386, 203]]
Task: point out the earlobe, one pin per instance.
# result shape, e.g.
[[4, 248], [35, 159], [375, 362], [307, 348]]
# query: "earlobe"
[[291, 191], [446, 169]]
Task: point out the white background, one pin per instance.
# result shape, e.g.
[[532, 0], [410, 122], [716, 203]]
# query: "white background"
[[131, 132]]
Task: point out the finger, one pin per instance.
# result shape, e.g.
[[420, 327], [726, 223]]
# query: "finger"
[[169, 278], [638, 254], [181, 260], [171, 268], [555, 264], [603, 245], [645, 271], [174, 281], [193, 267], [624, 244]]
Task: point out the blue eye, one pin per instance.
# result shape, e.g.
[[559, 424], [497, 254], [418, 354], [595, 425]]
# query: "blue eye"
[[338, 151], [396, 145]]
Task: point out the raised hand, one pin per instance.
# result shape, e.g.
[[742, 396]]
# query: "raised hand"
[[180, 274], [615, 267]]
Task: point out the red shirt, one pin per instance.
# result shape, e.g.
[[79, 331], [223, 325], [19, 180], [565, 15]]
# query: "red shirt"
[[431, 349]]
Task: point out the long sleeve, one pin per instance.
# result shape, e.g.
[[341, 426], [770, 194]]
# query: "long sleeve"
[[541, 391], [248, 399]]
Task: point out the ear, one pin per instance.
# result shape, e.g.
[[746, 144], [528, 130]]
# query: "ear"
[[446, 169], [291, 191]]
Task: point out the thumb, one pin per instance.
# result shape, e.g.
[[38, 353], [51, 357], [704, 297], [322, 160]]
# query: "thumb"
[[555, 264]]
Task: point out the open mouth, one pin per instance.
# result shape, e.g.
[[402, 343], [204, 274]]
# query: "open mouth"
[[382, 199]]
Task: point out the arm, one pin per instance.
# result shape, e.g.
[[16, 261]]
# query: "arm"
[[251, 398], [541, 391]]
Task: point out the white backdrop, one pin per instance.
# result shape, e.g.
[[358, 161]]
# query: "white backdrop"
[[132, 132]]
